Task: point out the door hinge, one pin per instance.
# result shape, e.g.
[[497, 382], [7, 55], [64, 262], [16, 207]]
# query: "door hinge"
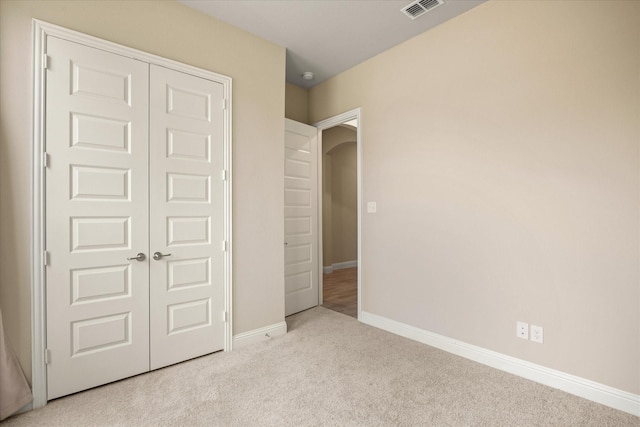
[[225, 246], [45, 159], [47, 356], [226, 316], [224, 104], [45, 61], [225, 175], [45, 258]]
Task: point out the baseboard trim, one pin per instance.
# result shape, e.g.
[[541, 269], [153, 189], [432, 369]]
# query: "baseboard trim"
[[261, 334], [339, 266], [591, 390]]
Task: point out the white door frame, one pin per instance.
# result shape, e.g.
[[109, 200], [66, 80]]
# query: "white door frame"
[[322, 125], [41, 30]]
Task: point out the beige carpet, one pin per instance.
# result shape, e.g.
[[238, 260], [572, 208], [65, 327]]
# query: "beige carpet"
[[328, 370]]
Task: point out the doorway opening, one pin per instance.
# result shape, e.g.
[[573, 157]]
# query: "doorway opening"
[[339, 158]]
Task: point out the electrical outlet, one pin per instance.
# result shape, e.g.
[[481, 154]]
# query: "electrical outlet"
[[371, 207], [522, 330], [537, 334]]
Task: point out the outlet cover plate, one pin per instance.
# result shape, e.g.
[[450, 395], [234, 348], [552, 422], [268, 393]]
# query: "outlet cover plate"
[[522, 330], [537, 334]]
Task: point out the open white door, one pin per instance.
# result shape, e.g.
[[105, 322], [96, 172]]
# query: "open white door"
[[300, 217]]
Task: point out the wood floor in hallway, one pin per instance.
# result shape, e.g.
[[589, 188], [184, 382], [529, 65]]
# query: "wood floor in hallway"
[[340, 291]]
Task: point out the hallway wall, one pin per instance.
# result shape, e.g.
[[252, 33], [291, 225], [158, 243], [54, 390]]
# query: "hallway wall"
[[340, 196]]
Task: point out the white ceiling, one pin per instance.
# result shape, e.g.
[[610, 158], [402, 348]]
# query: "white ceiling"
[[328, 37]]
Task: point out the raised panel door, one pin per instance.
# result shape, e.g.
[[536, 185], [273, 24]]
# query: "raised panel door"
[[97, 217], [186, 216], [300, 217]]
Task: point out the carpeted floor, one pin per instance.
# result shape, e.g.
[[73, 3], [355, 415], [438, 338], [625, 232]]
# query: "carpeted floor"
[[328, 370]]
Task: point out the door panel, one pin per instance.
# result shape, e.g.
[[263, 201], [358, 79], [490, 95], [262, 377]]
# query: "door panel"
[[186, 200], [300, 217], [97, 207]]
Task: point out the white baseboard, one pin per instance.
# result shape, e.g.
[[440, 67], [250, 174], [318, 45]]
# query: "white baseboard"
[[261, 334], [339, 266], [591, 390]]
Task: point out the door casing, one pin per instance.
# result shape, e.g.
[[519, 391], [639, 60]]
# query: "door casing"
[[41, 31]]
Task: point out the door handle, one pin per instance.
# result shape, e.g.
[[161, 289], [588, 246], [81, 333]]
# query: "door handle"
[[140, 257], [158, 256]]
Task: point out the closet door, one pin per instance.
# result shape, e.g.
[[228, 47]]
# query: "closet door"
[[97, 217], [186, 216]]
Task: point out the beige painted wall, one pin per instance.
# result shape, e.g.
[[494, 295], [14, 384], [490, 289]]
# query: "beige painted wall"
[[296, 104], [168, 29], [340, 196], [502, 149]]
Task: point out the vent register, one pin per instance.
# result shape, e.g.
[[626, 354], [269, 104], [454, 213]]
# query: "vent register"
[[420, 7]]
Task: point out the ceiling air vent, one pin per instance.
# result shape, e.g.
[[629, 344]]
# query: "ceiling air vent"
[[420, 7]]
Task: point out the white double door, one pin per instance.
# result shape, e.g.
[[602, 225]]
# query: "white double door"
[[134, 167]]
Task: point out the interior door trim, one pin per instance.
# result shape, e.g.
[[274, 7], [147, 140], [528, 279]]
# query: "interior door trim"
[[326, 124], [41, 31]]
